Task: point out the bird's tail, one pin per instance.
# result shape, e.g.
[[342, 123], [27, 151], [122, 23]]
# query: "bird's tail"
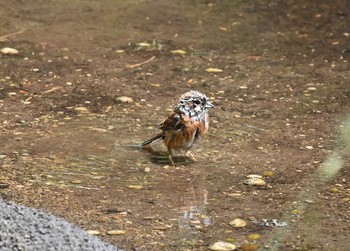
[[151, 140]]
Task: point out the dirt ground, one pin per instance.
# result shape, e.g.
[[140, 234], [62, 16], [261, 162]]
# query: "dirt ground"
[[282, 100]]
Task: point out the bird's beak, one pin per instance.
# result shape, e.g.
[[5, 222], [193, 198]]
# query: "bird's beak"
[[209, 105]]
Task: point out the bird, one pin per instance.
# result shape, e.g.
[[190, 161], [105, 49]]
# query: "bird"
[[185, 126]]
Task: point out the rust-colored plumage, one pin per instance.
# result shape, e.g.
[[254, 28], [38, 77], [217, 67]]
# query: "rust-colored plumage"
[[186, 124]]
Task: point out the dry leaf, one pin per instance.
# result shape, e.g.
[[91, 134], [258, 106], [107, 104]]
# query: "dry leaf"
[[222, 28], [214, 70], [180, 52], [137, 187]]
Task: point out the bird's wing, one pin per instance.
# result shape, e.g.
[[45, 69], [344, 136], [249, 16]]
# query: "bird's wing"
[[174, 122]]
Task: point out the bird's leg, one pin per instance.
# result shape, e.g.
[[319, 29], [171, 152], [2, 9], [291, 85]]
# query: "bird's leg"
[[170, 153], [191, 156]]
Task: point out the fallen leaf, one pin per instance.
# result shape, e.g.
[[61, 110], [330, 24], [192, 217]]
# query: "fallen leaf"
[[214, 70], [137, 187], [180, 52]]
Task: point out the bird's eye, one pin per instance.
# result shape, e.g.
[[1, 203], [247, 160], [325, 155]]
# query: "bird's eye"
[[197, 102]]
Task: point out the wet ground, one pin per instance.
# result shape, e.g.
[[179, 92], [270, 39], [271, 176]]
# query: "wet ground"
[[281, 100]]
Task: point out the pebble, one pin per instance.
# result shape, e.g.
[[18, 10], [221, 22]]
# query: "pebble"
[[11, 94], [254, 176], [4, 185], [222, 246], [238, 223], [124, 99], [9, 51], [181, 52], [116, 232], [249, 247], [81, 109], [137, 187], [213, 70], [269, 173], [112, 210], [309, 201], [312, 88], [255, 182], [76, 181], [93, 232], [254, 236]]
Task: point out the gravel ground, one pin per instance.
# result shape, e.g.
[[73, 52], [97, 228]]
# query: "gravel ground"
[[23, 228]]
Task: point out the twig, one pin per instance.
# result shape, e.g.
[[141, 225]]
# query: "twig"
[[4, 37], [142, 63], [255, 127], [53, 89]]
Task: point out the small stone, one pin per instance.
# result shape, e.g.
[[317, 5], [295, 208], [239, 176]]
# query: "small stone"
[[11, 94], [237, 223], [124, 99], [180, 52], [93, 232], [335, 190], [269, 173], [222, 246], [194, 222], [137, 187], [254, 236], [249, 247], [81, 109], [116, 232], [230, 239], [309, 201], [214, 70], [112, 210], [147, 169], [76, 181], [255, 182], [9, 51], [4, 185], [149, 217], [312, 88], [161, 228], [254, 176]]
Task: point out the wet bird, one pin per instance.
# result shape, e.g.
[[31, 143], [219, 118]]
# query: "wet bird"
[[186, 125]]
